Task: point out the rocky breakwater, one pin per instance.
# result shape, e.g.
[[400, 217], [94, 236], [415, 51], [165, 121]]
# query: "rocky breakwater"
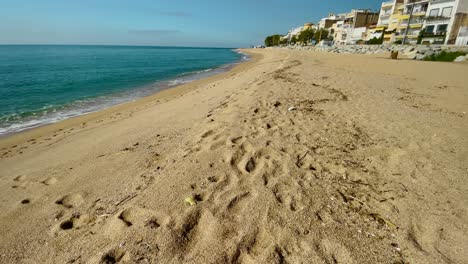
[[414, 52], [422, 51]]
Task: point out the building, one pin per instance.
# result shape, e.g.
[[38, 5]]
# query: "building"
[[412, 15], [327, 22], [339, 35], [355, 25], [445, 21], [374, 31], [389, 20], [296, 31]]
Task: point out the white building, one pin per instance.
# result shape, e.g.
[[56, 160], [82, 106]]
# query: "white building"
[[440, 26], [296, 31], [355, 25], [327, 22], [462, 36], [412, 17]]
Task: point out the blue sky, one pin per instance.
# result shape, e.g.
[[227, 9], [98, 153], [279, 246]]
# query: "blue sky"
[[209, 23]]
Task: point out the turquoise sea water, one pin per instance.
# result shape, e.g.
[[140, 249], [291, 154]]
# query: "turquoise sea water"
[[44, 84]]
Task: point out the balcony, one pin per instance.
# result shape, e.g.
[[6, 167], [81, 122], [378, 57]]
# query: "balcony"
[[434, 34], [388, 3], [430, 20], [411, 2]]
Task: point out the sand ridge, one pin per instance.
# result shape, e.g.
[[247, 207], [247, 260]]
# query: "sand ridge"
[[297, 157]]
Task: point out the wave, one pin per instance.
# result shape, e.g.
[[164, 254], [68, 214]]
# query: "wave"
[[17, 122]]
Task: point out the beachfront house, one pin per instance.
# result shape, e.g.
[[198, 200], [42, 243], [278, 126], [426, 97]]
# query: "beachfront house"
[[355, 25], [444, 22], [412, 16], [296, 31], [389, 19]]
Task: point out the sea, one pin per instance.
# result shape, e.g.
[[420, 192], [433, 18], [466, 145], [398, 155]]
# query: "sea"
[[41, 84]]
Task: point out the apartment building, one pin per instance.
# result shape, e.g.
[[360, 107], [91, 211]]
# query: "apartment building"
[[412, 15], [389, 20], [352, 29], [444, 20], [327, 22]]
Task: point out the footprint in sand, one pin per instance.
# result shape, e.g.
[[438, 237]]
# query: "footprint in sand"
[[71, 200], [135, 216], [21, 182], [115, 256], [19, 178], [76, 221], [26, 201], [334, 252], [50, 181]]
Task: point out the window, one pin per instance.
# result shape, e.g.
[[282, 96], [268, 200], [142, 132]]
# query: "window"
[[447, 12], [442, 28], [430, 29], [434, 12]]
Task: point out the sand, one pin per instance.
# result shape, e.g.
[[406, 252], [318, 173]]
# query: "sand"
[[294, 157]]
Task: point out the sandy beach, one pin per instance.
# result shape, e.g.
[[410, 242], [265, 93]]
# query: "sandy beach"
[[292, 157]]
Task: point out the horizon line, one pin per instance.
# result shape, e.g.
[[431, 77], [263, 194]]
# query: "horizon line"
[[119, 45]]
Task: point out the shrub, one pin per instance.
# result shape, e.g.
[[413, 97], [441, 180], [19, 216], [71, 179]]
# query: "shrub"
[[444, 56]]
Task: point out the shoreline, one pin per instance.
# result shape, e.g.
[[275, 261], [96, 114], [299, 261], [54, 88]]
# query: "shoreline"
[[294, 156], [98, 103], [164, 94]]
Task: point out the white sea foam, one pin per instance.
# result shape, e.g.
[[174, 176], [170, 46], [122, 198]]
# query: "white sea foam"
[[50, 114]]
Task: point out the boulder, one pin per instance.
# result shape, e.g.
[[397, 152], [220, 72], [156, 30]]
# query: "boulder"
[[411, 55], [429, 53], [460, 59], [408, 50], [420, 56], [422, 49]]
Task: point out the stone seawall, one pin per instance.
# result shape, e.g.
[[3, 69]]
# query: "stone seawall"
[[415, 52]]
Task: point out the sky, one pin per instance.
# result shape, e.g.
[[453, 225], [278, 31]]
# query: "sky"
[[195, 23]]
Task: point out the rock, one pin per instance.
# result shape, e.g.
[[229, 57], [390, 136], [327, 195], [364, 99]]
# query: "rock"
[[409, 49], [420, 56], [429, 53], [411, 55], [422, 49], [460, 59]]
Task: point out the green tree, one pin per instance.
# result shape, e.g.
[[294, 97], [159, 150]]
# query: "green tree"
[[420, 36], [321, 34], [376, 41], [276, 40], [305, 36], [269, 41], [273, 40], [294, 40]]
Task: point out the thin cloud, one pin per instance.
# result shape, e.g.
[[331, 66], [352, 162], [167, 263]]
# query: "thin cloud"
[[154, 32]]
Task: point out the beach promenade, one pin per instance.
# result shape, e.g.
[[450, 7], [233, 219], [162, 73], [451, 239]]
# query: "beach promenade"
[[293, 157]]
